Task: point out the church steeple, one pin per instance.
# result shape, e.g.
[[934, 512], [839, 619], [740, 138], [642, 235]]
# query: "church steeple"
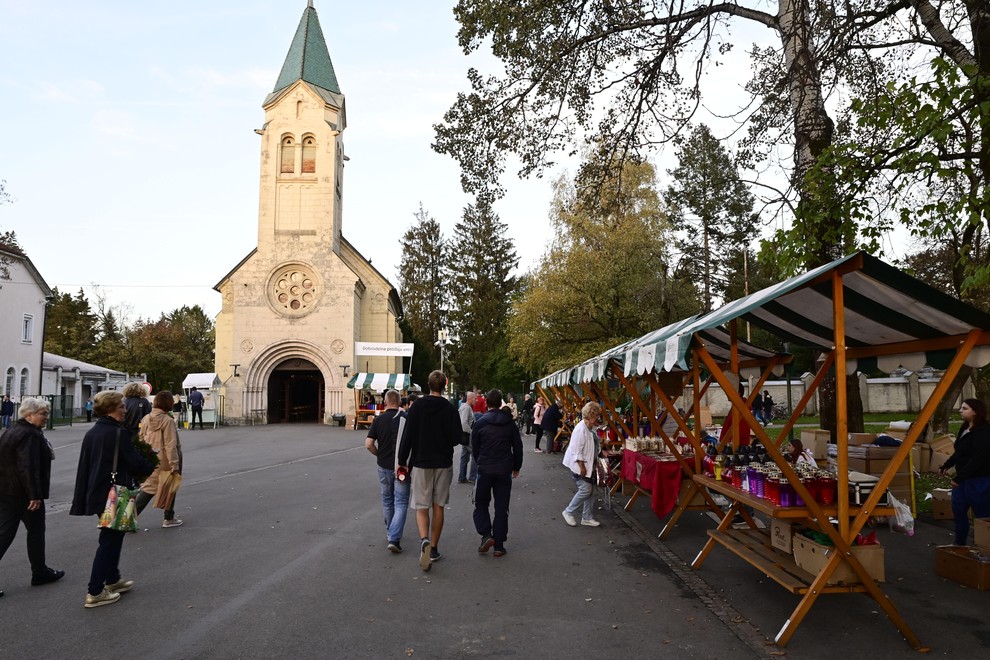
[[308, 58]]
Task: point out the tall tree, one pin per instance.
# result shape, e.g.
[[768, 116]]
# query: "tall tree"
[[422, 268], [713, 210], [481, 260], [70, 326], [177, 344], [607, 277]]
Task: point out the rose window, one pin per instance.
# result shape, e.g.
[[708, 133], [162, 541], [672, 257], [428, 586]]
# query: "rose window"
[[294, 291]]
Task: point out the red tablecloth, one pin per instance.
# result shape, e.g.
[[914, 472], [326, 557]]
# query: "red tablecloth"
[[662, 479]]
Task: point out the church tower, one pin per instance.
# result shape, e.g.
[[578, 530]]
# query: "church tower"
[[294, 308]]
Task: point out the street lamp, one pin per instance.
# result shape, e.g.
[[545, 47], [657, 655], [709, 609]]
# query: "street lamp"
[[443, 338]]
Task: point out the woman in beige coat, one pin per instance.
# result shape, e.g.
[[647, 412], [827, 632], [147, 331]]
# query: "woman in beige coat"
[[159, 430]]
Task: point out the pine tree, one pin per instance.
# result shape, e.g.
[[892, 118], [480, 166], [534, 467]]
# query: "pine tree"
[[421, 286], [713, 210], [481, 260]]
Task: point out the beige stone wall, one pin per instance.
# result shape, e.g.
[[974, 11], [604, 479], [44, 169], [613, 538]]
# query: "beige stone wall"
[[304, 293]]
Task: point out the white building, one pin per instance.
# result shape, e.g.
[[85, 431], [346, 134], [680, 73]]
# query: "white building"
[[77, 381], [24, 296]]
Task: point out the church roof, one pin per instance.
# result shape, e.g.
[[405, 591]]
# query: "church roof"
[[308, 58]]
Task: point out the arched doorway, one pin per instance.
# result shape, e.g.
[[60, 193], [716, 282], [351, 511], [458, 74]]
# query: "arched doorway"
[[295, 393]]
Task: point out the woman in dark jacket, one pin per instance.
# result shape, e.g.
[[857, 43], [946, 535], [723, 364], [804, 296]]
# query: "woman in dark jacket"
[[92, 485], [25, 474], [971, 485]]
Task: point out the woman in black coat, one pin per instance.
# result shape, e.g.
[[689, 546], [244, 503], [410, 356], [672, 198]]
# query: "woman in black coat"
[[25, 475], [92, 485], [971, 485]]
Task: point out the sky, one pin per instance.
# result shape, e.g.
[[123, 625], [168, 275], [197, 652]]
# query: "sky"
[[130, 152]]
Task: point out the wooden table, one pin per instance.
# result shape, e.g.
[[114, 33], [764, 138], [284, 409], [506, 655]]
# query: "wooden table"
[[753, 546], [364, 418]]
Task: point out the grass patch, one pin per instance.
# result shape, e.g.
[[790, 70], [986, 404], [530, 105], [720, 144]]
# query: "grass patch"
[[923, 485]]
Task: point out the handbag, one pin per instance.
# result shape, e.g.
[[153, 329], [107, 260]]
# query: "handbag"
[[120, 511]]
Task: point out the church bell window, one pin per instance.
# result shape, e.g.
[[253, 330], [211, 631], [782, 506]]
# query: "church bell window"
[[288, 157], [309, 155]]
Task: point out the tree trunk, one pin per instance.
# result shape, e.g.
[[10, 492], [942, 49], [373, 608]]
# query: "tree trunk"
[[940, 418]]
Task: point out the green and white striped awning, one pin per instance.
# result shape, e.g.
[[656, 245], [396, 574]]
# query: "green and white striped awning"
[[882, 306], [379, 382]]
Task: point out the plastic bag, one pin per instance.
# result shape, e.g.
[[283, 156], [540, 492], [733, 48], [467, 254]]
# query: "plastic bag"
[[902, 520]]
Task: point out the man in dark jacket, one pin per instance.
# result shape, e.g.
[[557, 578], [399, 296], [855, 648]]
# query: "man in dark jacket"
[[25, 475], [527, 410], [431, 432], [551, 423], [496, 445]]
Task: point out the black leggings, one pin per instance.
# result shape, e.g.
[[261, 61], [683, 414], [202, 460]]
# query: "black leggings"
[[539, 434]]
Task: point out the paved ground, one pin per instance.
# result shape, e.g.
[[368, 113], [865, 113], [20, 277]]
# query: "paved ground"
[[283, 554]]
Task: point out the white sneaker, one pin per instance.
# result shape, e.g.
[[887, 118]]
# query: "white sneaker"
[[591, 522], [174, 522], [569, 519]]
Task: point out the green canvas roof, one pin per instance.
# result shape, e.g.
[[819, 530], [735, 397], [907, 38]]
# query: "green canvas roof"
[[380, 382], [882, 306], [308, 58]]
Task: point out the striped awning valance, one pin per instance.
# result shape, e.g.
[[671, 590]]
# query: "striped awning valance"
[[379, 382]]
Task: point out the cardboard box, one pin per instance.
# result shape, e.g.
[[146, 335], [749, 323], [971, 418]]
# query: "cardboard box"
[[938, 460], [871, 451], [874, 466], [967, 566], [697, 500], [900, 487], [942, 503], [782, 535], [921, 458], [981, 530], [811, 557], [706, 416], [862, 438], [899, 435], [943, 444], [817, 442]]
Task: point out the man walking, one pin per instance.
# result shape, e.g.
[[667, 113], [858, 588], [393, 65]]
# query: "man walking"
[[497, 447], [466, 413], [550, 425], [527, 409], [196, 401], [432, 431], [395, 492]]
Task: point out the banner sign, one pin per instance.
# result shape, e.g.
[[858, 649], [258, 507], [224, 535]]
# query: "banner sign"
[[377, 348]]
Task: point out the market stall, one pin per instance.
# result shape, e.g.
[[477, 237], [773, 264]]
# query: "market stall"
[[209, 385], [375, 383], [860, 313]]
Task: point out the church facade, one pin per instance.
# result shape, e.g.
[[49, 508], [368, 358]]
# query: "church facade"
[[294, 308]]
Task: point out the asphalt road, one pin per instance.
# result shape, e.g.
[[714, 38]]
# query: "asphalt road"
[[282, 554]]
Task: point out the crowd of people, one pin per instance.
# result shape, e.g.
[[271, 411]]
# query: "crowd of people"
[[414, 442], [107, 457]]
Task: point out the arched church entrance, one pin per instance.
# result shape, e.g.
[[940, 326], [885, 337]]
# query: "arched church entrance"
[[296, 393]]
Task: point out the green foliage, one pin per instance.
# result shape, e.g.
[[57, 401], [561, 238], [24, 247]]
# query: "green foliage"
[[481, 260], [8, 239], [607, 277], [713, 211], [422, 287], [70, 326], [178, 343]]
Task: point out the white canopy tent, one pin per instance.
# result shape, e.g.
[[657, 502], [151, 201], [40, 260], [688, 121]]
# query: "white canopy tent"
[[209, 384]]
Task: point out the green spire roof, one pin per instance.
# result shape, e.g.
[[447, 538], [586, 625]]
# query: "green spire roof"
[[308, 57]]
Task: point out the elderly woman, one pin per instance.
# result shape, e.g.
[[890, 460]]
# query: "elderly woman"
[[580, 459], [159, 430], [96, 461], [971, 484], [136, 402], [25, 474]]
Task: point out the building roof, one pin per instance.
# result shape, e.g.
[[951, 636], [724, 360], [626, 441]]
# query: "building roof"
[[308, 58], [13, 253], [52, 362]]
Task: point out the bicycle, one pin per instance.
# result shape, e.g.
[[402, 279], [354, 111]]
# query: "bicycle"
[[780, 411]]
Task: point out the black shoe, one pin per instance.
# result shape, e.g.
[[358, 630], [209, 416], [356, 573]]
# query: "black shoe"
[[1, 593], [394, 547], [486, 544], [435, 555], [499, 551], [51, 575], [463, 481]]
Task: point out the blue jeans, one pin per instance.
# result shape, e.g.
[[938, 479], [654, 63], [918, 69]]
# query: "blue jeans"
[[583, 498], [467, 458], [499, 486], [395, 503], [5, 423], [973, 493]]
